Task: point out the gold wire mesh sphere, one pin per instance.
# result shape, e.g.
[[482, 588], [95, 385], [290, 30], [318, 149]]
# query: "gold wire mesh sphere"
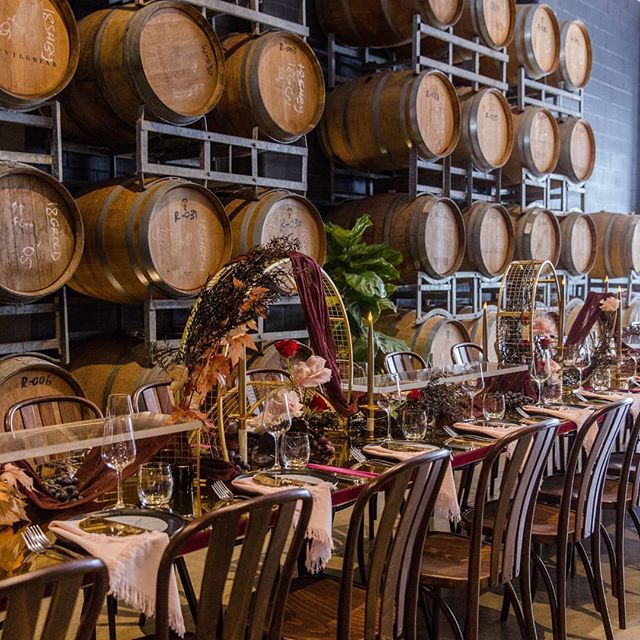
[[527, 287]]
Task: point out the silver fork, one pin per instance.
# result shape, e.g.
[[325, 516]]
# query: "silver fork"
[[357, 455], [38, 542], [222, 491]]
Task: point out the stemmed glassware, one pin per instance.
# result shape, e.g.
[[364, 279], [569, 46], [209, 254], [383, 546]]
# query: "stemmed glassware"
[[540, 370], [276, 420], [389, 398], [118, 444], [473, 383]]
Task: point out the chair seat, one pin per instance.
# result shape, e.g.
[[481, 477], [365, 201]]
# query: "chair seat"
[[312, 610], [545, 524], [551, 490], [617, 460], [445, 561]]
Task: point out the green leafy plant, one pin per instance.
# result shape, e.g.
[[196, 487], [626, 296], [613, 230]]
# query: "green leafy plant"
[[364, 274]]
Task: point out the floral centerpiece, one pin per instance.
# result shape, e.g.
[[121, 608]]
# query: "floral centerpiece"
[[604, 354], [545, 350]]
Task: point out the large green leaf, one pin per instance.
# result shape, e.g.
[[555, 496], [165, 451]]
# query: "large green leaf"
[[367, 283]]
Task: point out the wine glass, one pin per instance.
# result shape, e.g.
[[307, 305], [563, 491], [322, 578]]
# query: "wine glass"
[[296, 450], [493, 406], [473, 383], [414, 424], [155, 484], [276, 420], [118, 444], [540, 370], [389, 397]]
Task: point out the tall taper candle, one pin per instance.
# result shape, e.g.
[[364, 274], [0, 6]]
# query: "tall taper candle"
[[561, 313], [606, 284], [485, 333], [619, 318], [242, 407], [371, 415]]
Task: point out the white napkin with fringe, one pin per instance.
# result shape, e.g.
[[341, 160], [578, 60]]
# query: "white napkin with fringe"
[[133, 563], [447, 505], [320, 527], [577, 416], [617, 395]]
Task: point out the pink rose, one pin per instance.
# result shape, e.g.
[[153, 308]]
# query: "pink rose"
[[275, 410], [609, 305], [311, 373]]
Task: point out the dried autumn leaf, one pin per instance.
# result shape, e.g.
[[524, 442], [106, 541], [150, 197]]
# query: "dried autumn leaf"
[[238, 340], [238, 284]]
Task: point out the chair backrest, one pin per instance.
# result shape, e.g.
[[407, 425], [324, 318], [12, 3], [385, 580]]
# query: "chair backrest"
[[587, 483], [22, 599], [526, 453], [466, 353], [630, 472], [262, 575], [401, 361], [155, 397], [49, 410], [410, 489]]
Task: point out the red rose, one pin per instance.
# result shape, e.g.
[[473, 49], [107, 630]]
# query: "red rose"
[[318, 404], [544, 342], [287, 348], [414, 394]]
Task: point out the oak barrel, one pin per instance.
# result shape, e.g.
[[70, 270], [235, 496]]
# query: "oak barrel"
[[538, 235], [271, 214], [42, 233], [113, 364], [486, 130], [576, 56], [490, 239], [536, 144], [372, 123], [172, 234], [428, 231], [475, 329], [536, 45], [493, 21], [619, 244], [577, 150], [273, 82], [39, 51], [572, 310], [435, 335], [383, 23], [579, 243], [163, 55], [31, 375], [631, 314]]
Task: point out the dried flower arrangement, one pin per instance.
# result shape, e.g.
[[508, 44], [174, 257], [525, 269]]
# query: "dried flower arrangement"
[[602, 354], [12, 504], [442, 402]]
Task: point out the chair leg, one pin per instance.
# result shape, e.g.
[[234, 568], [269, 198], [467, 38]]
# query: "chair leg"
[[361, 556], [526, 589], [112, 612], [189, 593], [589, 573], [511, 594], [551, 592], [635, 519], [599, 584], [618, 581], [561, 590], [441, 605], [506, 606]]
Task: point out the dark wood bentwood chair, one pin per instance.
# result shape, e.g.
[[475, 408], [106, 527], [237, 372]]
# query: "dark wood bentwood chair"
[[386, 606], [403, 361], [460, 562], [622, 495], [262, 574], [569, 511], [49, 410], [466, 353], [155, 397], [22, 598]]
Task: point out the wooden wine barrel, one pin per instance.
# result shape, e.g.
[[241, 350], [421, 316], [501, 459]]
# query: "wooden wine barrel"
[[383, 23], [493, 21], [274, 82], [538, 235], [372, 123], [42, 234], [273, 214], [572, 310], [31, 375], [576, 56], [536, 45], [537, 144], [631, 314], [490, 239], [171, 234], [475, 329], [39, 51], [163, 55], [577, 157], [579, 243], [435, 335], [486, 130], [428, 231], [113, 364], [619, 244]]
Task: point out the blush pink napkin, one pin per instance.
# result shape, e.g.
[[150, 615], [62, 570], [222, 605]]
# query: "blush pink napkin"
[[320, 527], [612, 397], [487, 431], [447, 505], [577, 416], [133, 563]]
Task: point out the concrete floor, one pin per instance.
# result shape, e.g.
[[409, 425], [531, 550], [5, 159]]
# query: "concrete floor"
[[583, 622]]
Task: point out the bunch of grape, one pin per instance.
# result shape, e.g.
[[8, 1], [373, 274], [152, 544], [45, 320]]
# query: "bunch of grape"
[[63, 488], [322, 450], [515, 399], [240, 465]]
